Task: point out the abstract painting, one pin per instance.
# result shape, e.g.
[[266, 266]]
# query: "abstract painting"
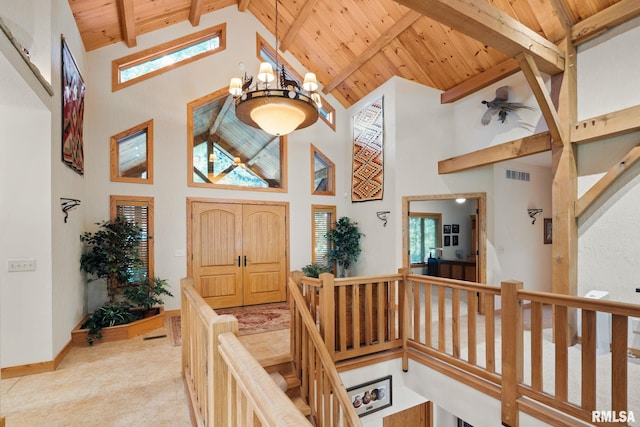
[[73, 90]]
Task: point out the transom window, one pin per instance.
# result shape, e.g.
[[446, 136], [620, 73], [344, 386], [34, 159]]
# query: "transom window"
[[424, 237], [159, 59]]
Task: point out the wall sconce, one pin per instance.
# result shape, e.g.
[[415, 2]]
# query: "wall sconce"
[[382, 216], [67, 205], [532, 214]]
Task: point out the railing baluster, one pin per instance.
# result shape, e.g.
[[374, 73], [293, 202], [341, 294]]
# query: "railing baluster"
[[455, 322], [489, 332], [416, 312], [428, 320], [381, 303], [442, 320], [619, 328], [588, 401], [355, 309], [342, 317], [537, 362], [368, 313], [472, 307], [560, 327]]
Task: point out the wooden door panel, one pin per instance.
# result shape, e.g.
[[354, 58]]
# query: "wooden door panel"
[[217, 246], [264, 238]]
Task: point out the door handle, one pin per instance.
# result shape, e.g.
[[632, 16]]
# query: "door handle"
[[245, 260], [238, 260]]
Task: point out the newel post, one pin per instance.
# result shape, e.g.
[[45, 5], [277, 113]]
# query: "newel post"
[[511, 351], [328, 312], [404, 304]]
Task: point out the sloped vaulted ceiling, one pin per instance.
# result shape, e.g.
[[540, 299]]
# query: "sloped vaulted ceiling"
[[354, 46]]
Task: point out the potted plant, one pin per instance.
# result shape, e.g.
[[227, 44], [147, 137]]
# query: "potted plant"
[[345, 244], [147, 295], [315, 270], [112, 255]]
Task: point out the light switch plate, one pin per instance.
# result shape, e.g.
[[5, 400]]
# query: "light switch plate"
[[22, 265]]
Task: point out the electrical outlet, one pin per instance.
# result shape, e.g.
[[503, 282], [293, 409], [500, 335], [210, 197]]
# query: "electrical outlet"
[[22, 264]]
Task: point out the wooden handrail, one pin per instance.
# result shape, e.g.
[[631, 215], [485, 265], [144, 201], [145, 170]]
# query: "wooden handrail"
[[225, 385], [256, 394], [321, 384]]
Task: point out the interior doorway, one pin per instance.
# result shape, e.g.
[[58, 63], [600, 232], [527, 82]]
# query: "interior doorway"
[[455, 245]]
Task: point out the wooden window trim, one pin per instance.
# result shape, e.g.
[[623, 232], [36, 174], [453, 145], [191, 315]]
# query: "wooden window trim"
[[163, 49], [331, 209], [115, 154], [261, 43], [331, 175], [116, 201]]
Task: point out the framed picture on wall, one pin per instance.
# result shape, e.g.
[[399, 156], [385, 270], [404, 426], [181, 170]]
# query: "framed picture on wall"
[[371, 396], [447, 240], [454, 240], [455, 228], [548, 229], [73, 90], [462, 423], [446, 229]]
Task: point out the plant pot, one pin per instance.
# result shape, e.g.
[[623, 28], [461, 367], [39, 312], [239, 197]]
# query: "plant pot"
[[121, 332]]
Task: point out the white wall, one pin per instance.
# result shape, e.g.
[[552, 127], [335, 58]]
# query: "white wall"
[[25, 221], [608, 232], [164, 99]]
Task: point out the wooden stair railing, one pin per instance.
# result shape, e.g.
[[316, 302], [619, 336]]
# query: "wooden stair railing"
[[321, 385], [225, 384]]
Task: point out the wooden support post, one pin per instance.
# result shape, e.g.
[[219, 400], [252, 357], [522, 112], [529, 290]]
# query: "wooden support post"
[[218, 374], [328, 312], [512, 372]]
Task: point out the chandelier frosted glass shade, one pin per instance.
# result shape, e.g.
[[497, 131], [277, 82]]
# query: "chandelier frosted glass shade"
[[276, 111]]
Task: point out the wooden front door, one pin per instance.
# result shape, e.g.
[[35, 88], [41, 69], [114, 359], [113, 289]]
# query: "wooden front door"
[[238, 253]]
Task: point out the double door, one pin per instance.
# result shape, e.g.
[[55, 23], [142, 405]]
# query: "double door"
[[238, 253]]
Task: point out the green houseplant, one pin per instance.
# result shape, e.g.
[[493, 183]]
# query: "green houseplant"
[[112, 255], [345, 243], [147, 294], [315, 270]]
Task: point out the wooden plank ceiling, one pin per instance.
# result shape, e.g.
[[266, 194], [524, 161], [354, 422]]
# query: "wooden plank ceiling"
[[354, 46]]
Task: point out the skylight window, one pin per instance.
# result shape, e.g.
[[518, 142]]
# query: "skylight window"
[[159, 59]]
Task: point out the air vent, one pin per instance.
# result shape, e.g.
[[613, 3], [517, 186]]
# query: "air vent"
[[520, 176]]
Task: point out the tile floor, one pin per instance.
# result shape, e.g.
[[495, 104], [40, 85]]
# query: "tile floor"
[[136, 382]]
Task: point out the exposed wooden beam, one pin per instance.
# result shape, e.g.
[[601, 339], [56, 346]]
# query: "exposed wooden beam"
[[127, 22], [604, 20], [226, 107], [607, 181], [491, 26], [394, 31], [195, 12], [563, 12], [534, 144], [298, 23], [474, 84], [243, 5], [607, 125], [534, 78]]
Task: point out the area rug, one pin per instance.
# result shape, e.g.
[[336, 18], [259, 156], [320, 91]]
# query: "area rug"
[[253, 319]]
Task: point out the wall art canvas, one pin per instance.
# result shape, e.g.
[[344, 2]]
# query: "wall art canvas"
[[368, 166], [73, 91]]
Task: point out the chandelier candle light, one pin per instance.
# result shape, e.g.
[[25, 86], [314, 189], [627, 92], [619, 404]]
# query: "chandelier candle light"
[[280, 110]]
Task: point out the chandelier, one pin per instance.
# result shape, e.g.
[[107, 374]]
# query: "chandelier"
[[277, 110]]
